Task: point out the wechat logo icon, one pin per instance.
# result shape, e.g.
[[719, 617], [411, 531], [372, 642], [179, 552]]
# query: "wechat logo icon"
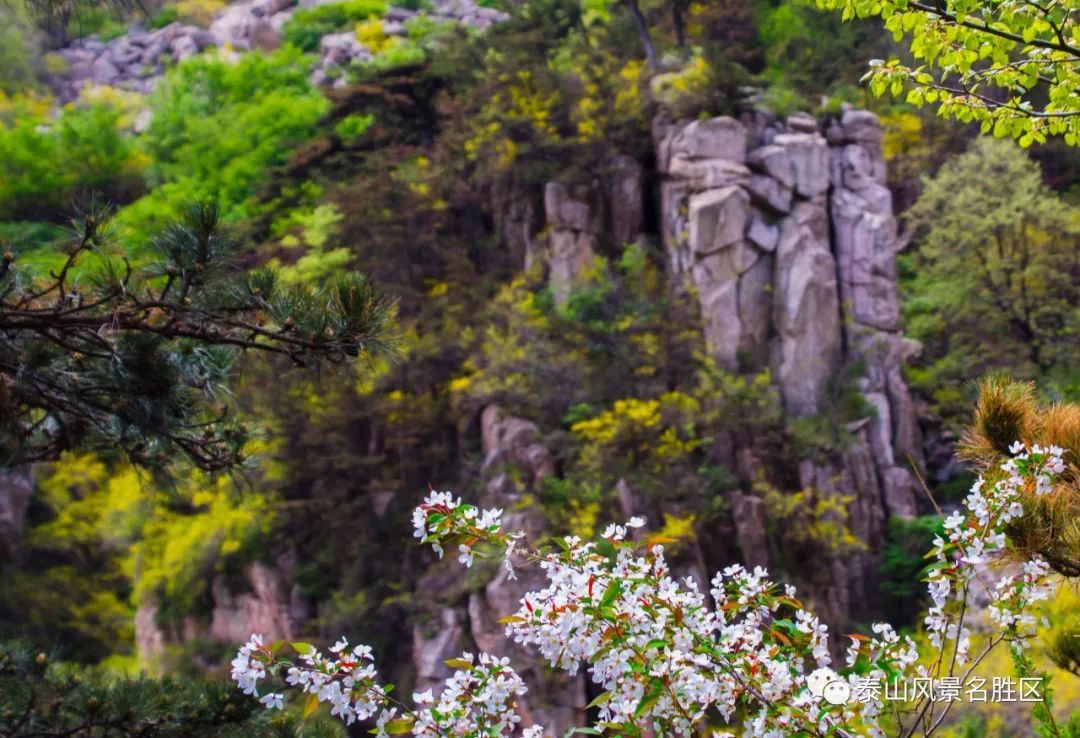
[[826, 684]]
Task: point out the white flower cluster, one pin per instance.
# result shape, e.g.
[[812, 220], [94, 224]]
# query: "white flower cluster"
[[663, 657], [666, 657], [441, 517], [344, 680], [978, 534], [249, 668], [972, 537], [478, 700]]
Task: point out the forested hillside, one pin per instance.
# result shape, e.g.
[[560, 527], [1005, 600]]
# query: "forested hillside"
[[273, 271]]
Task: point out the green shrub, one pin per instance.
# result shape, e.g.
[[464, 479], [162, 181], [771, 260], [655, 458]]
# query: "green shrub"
[[53, 698], [307, 25], [16, 55], [217, 127], [46, 165], [413, 4], [102, 22], [353, 126], [903, 563], [164, 17]]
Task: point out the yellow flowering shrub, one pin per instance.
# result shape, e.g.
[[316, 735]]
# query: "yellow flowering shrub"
[[198, 12], [809, 517], [114, 539], [902, 133], [682, 88], [371, 34]]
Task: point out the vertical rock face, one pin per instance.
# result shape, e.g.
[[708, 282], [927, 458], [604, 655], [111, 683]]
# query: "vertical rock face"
[[517, 222], [750, 232], [267, 605], [865, 246], [264, 610], [515, 463], [15, 487], [604, 214], [573, 228], [806, 311], [788, 240]]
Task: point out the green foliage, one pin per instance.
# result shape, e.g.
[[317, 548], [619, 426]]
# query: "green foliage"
[[46, 164], [353, 126], [825, 432], [309, 231], [217, 127], [903, 565], [413, 4], [666, 447], [1061, 640], [1009, 65], [16, 50], [107, 540], [618, 335], [586, 102], [164, 17], [44, 697], [993, 283], [104, 23], [307, 25], [809, 53], [806, 522], [102, 356]]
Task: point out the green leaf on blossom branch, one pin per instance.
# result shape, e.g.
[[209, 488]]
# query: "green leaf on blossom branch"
[[1012, 66]]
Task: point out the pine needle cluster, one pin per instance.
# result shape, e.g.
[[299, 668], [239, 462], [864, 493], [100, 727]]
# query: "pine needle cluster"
[[127, 350], [1008, 411]]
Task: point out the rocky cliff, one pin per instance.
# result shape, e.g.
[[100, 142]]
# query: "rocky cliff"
[[783, 232]]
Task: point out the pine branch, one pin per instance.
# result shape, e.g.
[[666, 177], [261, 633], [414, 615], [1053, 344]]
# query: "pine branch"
[[102, 354]]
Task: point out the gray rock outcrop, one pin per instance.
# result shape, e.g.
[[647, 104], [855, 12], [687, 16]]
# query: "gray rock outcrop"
[[573, 230], [136, 60], [132, 62], [788, 240], [268, 604], [583, 220], [749, 231]]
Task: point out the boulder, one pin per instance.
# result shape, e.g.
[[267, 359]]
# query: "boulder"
[[703, 174], [769, 193], [775, 161], [809, 156], [562, 210], [763, 235], [802, 123], [714, 138], [862, 127], [717, 219]]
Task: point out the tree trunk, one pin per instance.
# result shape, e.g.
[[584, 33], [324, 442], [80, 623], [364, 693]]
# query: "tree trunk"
[[677, 22], [643, 32]]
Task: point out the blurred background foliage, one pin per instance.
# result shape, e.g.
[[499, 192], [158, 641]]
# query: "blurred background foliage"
[[393, 172]]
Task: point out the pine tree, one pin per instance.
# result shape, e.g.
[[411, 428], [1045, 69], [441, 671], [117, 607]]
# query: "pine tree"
[[131, 350]]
